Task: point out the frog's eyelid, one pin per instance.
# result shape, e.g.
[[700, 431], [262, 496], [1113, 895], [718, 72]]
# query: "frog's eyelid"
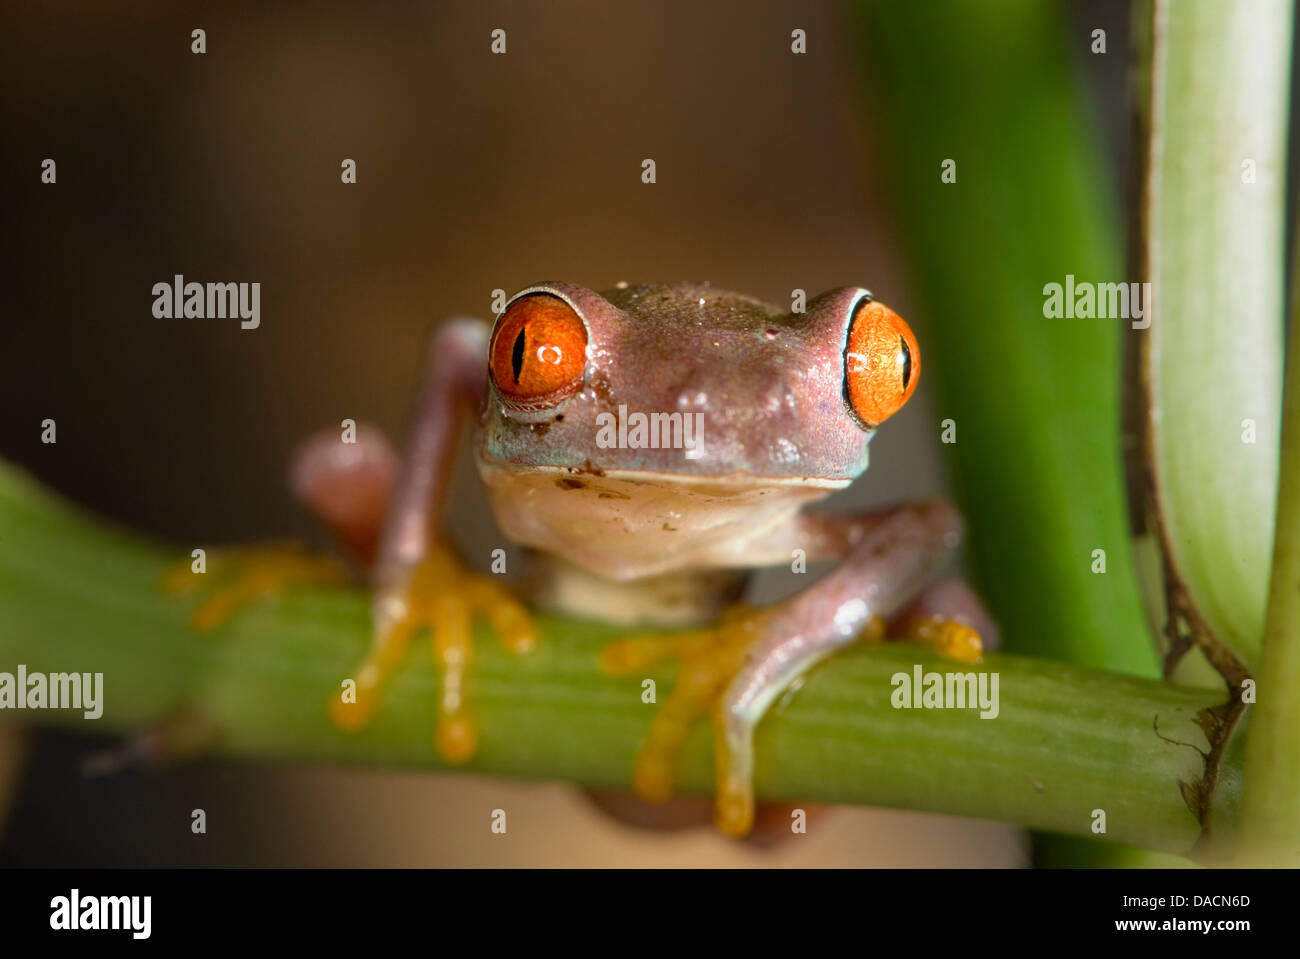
[[546, 289], [864, 297]]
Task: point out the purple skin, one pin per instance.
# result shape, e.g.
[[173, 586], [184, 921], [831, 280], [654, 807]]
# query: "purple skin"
[[770, 385], [616, 523]]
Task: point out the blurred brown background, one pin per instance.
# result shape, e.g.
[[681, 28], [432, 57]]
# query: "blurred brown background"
[[475, 172]]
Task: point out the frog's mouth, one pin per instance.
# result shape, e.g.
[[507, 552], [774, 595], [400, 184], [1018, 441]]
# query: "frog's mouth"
[[725, 484]]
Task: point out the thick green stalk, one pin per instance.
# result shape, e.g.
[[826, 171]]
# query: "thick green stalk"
[[1271, 828], [1034, 400], [1213, 106], [76, 595]]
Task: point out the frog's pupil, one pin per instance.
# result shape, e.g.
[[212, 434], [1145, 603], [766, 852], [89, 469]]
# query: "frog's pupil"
[[517, 355], [907, 361]]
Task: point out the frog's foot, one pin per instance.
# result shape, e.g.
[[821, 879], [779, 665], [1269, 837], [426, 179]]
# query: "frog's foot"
[[736, 670], [235, 578], [710, 659], [949, 637], [442, 595], [948, 615]]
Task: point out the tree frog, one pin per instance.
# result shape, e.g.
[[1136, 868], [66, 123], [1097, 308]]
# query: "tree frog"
[[650, 443]]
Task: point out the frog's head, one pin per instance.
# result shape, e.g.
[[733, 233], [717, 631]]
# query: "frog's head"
[[692, 382], [651, 429]]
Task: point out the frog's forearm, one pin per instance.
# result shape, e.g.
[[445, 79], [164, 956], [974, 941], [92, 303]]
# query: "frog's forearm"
[[452, 385], [886, 567], [889, 566], [416, 582]]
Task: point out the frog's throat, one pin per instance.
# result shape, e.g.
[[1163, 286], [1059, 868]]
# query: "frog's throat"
[[632, 525], [682, 598]]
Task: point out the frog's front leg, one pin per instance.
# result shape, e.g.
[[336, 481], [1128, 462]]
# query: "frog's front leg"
[[740, 667], [417, 579]]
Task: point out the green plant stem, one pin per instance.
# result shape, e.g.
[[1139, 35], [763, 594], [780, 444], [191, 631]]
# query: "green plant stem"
[[1270, 832], [1215, 80], [1035, 401], [76, 595]]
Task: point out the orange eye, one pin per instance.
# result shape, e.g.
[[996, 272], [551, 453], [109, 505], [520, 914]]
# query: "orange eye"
[[538, 352], [881, 364]]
